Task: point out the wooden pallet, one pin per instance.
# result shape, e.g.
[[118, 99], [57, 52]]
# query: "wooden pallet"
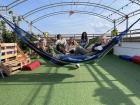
[[8, 51], [12, 59], [10, 69]]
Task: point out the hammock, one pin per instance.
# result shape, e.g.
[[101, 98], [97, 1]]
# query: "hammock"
[[66, 59]]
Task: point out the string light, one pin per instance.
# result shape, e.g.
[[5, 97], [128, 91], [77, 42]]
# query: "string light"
[[120, 9]]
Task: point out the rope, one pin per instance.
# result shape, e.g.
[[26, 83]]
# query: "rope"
[[120, 9]]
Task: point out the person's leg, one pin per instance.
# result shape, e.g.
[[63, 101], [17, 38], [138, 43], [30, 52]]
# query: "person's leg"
[[81, 50]]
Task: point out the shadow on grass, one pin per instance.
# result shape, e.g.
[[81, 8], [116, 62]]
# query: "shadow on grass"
[[69, 67], [38, 77], [111, 95], [127, 73], [34, 93]]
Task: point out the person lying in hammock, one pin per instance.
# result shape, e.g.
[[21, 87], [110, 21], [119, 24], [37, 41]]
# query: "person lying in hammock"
[[102, 42], [97, 47]]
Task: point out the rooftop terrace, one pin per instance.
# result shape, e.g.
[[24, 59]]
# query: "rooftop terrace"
[[109, 82]]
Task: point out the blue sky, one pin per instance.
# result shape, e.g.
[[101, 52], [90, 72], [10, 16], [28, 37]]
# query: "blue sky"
[[76, 23]]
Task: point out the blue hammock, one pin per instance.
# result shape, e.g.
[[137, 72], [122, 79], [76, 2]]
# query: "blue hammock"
[[66, 59]]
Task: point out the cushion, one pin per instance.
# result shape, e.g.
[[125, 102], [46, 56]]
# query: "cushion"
[[136, 59], [33, 65], [125, 57]]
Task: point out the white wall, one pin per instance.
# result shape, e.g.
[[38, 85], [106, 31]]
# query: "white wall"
[[128, 48]]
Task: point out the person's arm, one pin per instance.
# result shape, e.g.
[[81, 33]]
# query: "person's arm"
[[65, 42], [57, 42], [75, 43]]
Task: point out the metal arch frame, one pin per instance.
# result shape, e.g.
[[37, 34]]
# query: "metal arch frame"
[[11, 5], [15, 3], [134, 13], [72, 3], [65, 12], [135, 1], [3, 8]]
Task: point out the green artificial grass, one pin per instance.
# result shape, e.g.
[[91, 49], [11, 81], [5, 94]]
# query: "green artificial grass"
[[109, 82]]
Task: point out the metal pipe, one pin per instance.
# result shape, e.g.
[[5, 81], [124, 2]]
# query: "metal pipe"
[[73, 3], [65, 12]]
